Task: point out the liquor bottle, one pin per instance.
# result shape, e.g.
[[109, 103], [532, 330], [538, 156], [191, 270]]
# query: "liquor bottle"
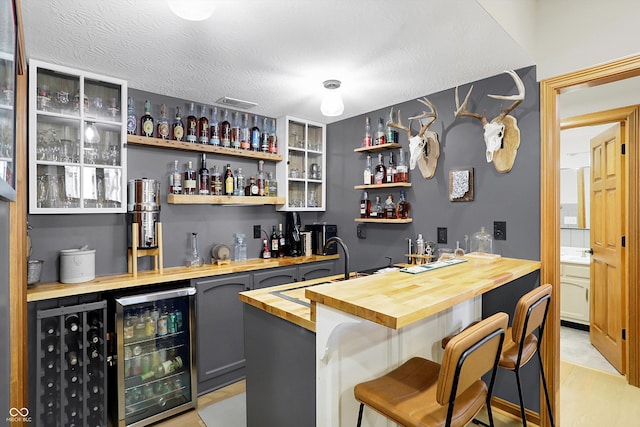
[[260, 178], [190, 180], [402, 170], [380, 138], [368, 174], [163, 130], [391, 170], [175, 180], [252, 188], [225, 130], [131, 117], [389, 208], [273, 138], [275, 242], [178, 126], [214, 128], [272, 185], [264, 137], [282, 244], [192, 124], [216, 181], [228, 181], [266, 253], [235, 131], [367, 133], [404, 208], [365, 205], [377, 210], [255, 135], [240, 183], [72, 322], [392, 135], [380, 173], [204, 183], [203, 126], [245, 134], [146, 121]]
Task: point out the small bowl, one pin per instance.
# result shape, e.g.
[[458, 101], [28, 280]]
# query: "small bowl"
[[34, 270]]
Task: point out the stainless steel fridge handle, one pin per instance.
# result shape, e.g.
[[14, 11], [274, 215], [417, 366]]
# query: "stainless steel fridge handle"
[[155, 296]]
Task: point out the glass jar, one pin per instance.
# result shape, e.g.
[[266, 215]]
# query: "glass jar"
[[482, 242], [240, 248]]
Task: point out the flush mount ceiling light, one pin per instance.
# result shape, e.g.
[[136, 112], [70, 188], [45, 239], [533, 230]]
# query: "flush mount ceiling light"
[[237, 103], [332, 104], [192, 10]]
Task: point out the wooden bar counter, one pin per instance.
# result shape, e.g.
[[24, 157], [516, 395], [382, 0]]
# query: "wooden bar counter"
[[43, 291]]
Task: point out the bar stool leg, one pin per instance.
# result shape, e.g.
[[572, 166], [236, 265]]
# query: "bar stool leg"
[[524, 417], [546, 392], [360, 414]]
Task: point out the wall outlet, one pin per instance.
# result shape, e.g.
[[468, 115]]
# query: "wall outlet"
[[256, 231], [442, 235], [500, 230], [361, 231]]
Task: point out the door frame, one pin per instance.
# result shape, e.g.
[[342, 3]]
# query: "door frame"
[[550, 89]]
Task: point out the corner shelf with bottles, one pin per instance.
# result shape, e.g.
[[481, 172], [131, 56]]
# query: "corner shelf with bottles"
[[301, 176], [383, 186], [77, 134]]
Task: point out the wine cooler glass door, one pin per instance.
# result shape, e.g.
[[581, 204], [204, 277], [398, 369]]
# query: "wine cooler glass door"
[[156, 375]]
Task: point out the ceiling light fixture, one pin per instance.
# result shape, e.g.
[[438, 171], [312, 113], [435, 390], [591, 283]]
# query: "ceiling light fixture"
[[237, 103], [332, 104], [192, 10]]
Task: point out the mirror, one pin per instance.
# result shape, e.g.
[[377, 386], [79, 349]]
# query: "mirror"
[[574, 197], [7, 98]]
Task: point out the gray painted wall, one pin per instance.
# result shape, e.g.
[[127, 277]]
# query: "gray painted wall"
[[5, 318], [512, 197]]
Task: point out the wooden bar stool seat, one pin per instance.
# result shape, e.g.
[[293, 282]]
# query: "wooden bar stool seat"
[[422, 393]]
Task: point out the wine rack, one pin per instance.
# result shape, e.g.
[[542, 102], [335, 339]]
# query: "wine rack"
[[71, 368]]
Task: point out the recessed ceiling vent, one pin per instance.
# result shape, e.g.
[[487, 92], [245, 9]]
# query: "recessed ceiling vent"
[[236, 103]]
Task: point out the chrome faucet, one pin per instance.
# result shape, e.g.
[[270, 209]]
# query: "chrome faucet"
[[344, 248]]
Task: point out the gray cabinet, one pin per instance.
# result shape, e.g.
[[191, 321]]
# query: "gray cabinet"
[[316, 270], [275, 276], [220, 330]]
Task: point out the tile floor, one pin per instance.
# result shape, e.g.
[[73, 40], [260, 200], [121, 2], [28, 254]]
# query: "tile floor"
[[575, 347]]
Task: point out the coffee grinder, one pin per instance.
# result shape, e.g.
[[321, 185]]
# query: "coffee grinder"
[[292, 234]]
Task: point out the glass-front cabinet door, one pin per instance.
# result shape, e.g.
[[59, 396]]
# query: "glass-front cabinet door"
[[77, 132], [301, 176]]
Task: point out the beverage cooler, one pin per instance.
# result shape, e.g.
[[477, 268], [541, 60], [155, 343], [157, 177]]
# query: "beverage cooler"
[[154, 376]]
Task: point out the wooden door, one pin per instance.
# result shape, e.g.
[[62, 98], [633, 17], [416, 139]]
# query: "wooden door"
[[607, 309]]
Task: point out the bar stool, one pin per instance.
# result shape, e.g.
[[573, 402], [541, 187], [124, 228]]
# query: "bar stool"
[[422, 393], [521, 344]]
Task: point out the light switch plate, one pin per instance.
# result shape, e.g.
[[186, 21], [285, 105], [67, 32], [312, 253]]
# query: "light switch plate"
[[361, 231]]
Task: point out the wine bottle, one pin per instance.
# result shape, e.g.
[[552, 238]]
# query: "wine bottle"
[[72, 322], [50, 327], [190, 180], [131, 117], [367, 133], [228, 181], [365, 205], [146, 121], [275, 242], [245, 137], [225, 130], [255, 135], [264, 138], [214, 128], [163, 130], [273, 138], [175, 179], [282, 244], [192, 124], [204, 183], [203, 126], [178, 126], [235, 131]]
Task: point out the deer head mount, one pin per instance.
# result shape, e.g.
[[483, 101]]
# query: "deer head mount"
[[501, 135], [424, 147]]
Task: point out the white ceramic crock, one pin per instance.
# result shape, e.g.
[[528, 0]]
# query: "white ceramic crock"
[[77, 265]]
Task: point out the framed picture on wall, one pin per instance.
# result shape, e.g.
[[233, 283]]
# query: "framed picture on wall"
[[461, 185]]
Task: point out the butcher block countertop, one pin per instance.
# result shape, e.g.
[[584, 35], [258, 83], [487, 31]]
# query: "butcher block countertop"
[[393, 299], [43, 291]]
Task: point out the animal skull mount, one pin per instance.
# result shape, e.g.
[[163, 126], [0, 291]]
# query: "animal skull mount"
[[501, 135], [424, 147]]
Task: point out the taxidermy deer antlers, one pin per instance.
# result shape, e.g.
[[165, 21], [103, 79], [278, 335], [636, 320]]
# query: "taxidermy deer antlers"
[[424, 146], [501, 135]]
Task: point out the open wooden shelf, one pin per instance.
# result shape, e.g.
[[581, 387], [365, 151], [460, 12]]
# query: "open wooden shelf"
[[384, 220], [374, 148], [387, 185], [192, 199], [201, 148]]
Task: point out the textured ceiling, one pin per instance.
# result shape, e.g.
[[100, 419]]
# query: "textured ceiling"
[[277, 53]]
